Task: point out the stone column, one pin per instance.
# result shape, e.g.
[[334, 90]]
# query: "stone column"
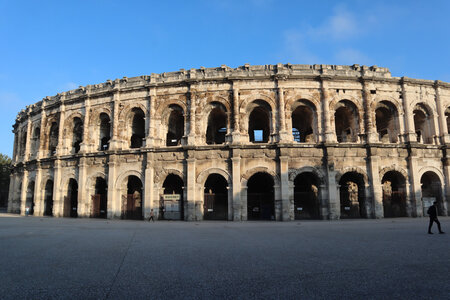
[[83, 190], [84, 147], [284, 135], [414, 205], [58, 197], [23, 192], [60, 148], [284, 176], [148, 187], [443, 129], [114, 196], [192, 97], [370, 129], [150, 121], [26, 155], [329, 135], [334, 205], [236, 135], [38, 191], [12, 186], [375, 186], [41, 150], [114, 142], [446, 165], [236, 182], [191, 213], [410, 134]]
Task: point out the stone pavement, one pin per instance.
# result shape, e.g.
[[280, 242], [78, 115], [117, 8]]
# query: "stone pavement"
[[56, 258]]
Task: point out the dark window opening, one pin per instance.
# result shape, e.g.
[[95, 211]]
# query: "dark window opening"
[[302, 122], [306, 196], [346, 123], [77, 136], [137, 128], [71, 200], [100, 204], [259, 123], [48, 198], [53, 138], [260, 197], [175, 130], [394, 195], [217, 123], [171, 204], [132, 204], [105, 131], [215, 206]]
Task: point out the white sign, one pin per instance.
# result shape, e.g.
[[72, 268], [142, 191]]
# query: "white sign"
[[299, 208], [171, 197], [346, 208]]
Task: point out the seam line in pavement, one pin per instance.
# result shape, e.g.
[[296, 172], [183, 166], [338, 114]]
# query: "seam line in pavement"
[[120, 266]]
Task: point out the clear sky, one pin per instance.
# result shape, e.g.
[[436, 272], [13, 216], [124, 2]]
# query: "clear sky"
[[47, 47]]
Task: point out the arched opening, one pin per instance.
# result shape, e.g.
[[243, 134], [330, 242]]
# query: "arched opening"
[[35, 140], [217, 125], [352, 195], [137, 128], [423, 124], [346, 122], [30, 198], [394, 195], [132, 203], [303, 123], [48, 198], [53, 138], [215, 205], [306, 196], [259, 122], [386, 118], [431, 191], [175, 126], [105, 132], [171, 204], [77, 134], [99, 199], [71, 199], [260, 197], [447, 118], [23, 142]]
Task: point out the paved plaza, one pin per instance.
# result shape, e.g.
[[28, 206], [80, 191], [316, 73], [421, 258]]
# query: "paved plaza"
[[56, 258]]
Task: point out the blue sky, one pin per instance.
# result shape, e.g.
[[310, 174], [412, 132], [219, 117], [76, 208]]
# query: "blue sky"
[[47, 47]]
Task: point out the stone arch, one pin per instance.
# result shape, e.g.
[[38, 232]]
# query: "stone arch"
[[95, 115], [420, 102], [424, 122], [304, 118], [90, 181], [214, 117], [200, 109], [395, 168], [126, 112], [432, 169], [203, 176], [347, 118], [395, 102], [163, 107], [120, 179], [68, 121], [251, 172], [386, 118], [291, 97], [251, 98], [160, 176], [67, 175], [293, 173], [259, 119], [352, 169]]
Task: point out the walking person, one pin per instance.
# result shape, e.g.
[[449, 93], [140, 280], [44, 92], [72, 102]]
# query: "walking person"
[[152, 216], [433, 212]]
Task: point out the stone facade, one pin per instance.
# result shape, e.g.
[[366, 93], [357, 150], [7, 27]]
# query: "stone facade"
[[274, 142]]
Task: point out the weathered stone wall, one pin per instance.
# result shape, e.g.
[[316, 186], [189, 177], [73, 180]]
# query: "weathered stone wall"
[[369, 149]]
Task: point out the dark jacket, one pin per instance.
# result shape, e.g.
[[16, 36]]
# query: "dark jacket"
[[432, 211]]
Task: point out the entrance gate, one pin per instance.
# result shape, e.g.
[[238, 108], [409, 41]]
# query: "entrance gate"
[[394, 204], [215, 207], [133, 206], [260, 206], [99, 206], [305, 205]]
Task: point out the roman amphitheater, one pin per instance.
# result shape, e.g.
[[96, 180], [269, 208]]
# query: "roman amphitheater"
[[272, 142]]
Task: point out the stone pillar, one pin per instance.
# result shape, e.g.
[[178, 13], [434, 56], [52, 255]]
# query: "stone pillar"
[[84, 147], [443, 129], [192, 97], [61, 149], [58, 197], [329, 135], [191, 213], [284, 176], [414, 205], [13, 182], [114, 142], [27, 155], [236, 181], [83, 196], [375, 186], [150, 121], [236, 135], [410, 134], [148, 187], [284, 135], [114, 196], [23, 191], [368, 116], [334, 205], [446, 165], [41, 150], [38, 191]]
